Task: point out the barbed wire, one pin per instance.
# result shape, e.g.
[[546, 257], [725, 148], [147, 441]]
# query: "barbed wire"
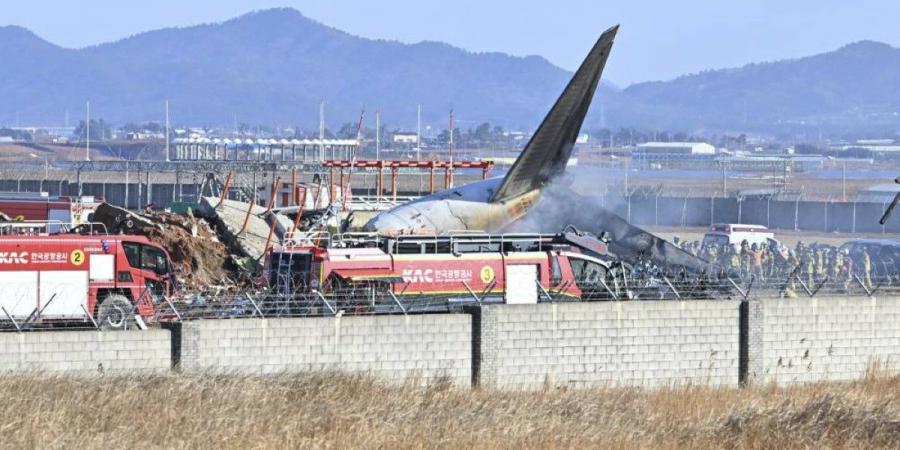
[[380, 298]]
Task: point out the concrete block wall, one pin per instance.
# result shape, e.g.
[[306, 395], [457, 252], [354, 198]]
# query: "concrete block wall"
[[390, 347], [807, 340], [86, 352], [610, 343], [647, 343]]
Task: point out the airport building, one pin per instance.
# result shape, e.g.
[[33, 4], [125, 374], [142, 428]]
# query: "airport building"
[[672, 154], [676, 148]]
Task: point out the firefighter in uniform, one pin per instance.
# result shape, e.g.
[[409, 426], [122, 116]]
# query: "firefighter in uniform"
[[847, 271], [819, 265], [734, 260], [712, 255], [809, 268], [745, 259], [837, 262], [790, 290], [866, 268], [756, 261], [771, 256]]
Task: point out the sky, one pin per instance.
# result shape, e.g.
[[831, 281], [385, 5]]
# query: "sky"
[[658, 40]]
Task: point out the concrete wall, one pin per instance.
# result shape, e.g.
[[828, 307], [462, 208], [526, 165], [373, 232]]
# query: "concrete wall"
[[86, 352], [391, 347], [645, 343], [808, 340], [609, 343]]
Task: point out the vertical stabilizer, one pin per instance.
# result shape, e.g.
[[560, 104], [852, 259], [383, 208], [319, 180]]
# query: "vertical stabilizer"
[[548, 151]]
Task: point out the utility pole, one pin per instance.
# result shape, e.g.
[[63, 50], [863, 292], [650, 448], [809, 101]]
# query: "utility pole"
[[322, 130], [418, 132], [844, 182], [167, 131], [87, 134], [359, 136], [724, 181], [450, 148], [377, 135]]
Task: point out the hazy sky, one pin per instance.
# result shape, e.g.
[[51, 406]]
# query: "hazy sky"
[[658, 39]]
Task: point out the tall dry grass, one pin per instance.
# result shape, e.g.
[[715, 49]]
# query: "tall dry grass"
[[340, 411]]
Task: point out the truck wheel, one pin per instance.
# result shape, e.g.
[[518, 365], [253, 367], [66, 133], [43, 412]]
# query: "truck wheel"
[[115, 313]]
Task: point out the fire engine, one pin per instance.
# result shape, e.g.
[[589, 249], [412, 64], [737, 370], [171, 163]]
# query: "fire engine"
[[57, 211], [509, 268], [63, 278]]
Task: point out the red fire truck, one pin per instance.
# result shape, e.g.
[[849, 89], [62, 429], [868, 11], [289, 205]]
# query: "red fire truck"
[[510, 268], [55, 211], [64, 278]]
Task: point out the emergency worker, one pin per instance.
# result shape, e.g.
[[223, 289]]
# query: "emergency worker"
[[745, 259], [847, 271], [819, 263], [808, 267], [733, 259], [837, 261], [756, 256], [866, 268]]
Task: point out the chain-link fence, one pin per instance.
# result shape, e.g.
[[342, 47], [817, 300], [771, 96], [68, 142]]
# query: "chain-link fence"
[[825, 216]]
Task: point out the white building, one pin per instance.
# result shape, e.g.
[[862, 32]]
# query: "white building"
[[406, 138], [677, 148]]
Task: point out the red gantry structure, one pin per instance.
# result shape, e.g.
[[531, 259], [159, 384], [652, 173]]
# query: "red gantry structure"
[[395, 165]]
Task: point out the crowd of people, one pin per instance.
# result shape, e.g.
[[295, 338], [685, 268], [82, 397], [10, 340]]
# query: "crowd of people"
[[812, 265]]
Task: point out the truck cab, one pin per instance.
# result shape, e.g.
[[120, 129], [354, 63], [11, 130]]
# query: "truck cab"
[[65, 278], [149, 269], [590, 275]]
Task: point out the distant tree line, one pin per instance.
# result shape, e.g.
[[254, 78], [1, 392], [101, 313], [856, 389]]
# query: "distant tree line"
[[100, 130]]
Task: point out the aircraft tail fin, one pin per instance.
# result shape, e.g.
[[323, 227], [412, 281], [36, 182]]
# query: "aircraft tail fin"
[[546, 154]]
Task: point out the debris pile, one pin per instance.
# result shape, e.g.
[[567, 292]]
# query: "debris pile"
[[201, 260], [251, 231], [248, 232]]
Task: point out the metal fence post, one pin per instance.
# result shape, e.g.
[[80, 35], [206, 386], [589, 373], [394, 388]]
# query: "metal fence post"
[[628, 210], [656, 210], [796, 213]]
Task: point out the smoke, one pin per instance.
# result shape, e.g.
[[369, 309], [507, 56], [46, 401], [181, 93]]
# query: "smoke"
[[561, 206]]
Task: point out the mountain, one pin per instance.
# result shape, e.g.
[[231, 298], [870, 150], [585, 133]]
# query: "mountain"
[[853, 87], [274, 66], [269, 67]]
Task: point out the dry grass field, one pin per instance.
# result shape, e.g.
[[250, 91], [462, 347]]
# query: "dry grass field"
[[339, 411]]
